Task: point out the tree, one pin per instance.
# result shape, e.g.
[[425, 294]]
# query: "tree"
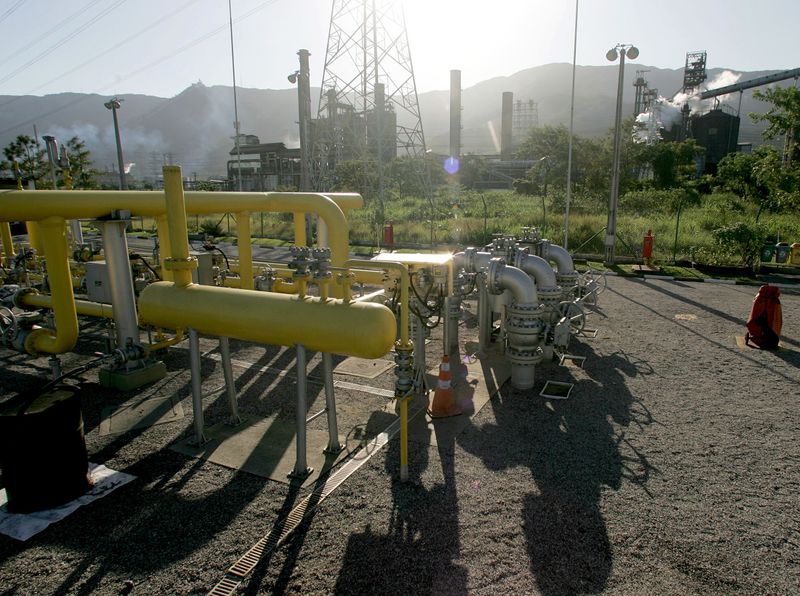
[[762, 178], [80, 164], [783, 118], [28, 153]]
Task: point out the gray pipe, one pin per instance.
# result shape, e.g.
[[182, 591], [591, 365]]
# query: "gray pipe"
[[539, 268], [519, 283], [115, 248], [562, 259]]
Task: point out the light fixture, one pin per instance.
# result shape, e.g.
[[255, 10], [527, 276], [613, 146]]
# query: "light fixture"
[[293, 77]]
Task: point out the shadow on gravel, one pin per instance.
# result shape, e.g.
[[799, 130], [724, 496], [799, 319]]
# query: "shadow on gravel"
[[573, 448], [416, 555]]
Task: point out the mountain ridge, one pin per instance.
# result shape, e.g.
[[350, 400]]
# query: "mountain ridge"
[[195, 127]]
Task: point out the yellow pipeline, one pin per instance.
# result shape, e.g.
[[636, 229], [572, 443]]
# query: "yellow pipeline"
[[245, 249], [332, 326], [179, 262], [8, 241], [63, 337], [404, 281], [34, 234], [359, 329], [300, 229], [34, 299], [162, 228], [165, 343], [40, 204]]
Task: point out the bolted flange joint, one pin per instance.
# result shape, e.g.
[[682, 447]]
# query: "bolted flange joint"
[[403, 370]]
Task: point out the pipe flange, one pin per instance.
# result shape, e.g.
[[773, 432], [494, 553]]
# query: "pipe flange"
[[470, 259], [567, 279], [494, 273], [520, 254], [524, 357]]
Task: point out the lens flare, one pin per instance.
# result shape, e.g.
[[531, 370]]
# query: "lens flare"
[[451, 165]]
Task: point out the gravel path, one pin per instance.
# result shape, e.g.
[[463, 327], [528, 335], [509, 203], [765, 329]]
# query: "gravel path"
[[673, 468]]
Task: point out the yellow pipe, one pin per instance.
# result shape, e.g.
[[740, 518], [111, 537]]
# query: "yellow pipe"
[[347, 201], [179, 263], [8, 241], [334, 326], [404, 281], [63, 337], [165, 343], [245, 245], [41, 204], [162, 228], [34, 299], [362, 329], [34, 234], [404, 438]]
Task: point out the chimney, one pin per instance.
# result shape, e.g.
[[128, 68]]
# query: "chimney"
[[455, 113], [505, 126]]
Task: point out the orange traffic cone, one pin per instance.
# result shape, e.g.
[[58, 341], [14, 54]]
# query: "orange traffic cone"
[[444, 398]]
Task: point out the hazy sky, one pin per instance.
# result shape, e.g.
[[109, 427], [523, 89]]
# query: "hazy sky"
[[159, 47]]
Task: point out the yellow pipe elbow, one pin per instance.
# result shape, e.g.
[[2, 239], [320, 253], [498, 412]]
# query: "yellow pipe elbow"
[[366, 330], [65, 335], [404, 285]]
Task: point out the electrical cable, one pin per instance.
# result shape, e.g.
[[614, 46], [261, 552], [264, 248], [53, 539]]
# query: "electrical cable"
[[139, 71], [64, 40], [46, 34], [13, 8], [134, 256]]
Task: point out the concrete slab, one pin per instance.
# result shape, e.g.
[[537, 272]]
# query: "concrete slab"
[[116, 420], [362, 367], [264, 447], [475, 379]]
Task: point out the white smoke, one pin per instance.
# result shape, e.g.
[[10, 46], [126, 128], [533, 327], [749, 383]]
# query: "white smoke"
[[666, 113]]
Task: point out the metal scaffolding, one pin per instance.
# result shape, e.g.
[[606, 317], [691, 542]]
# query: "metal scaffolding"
[[525, 116], [368, 107]]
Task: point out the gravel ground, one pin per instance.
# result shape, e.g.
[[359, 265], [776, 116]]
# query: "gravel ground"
[[672, 468]]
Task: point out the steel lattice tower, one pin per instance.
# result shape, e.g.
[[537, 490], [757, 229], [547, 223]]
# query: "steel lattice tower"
[[368, 104]]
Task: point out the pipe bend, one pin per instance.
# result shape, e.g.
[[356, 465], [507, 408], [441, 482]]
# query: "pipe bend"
[[562, 259], [540, 269], [521, 285]]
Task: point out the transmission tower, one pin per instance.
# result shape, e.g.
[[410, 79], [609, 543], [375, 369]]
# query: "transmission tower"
[[368, 106]]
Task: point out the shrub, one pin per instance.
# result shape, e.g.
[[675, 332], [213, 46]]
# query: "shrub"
[[742, 240], [211, 228]]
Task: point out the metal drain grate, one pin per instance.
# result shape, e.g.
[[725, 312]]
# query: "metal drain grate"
[[275, 537]]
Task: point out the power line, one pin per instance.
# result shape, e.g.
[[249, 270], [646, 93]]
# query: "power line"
[[61, 42], [47, 33], [164, 58], [11, 10]]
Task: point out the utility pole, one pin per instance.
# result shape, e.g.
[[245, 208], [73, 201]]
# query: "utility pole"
[[114, 104]]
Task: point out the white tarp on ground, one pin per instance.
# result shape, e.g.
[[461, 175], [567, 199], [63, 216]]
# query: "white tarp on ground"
[[22, 526]]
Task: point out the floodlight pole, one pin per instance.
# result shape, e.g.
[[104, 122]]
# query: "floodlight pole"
[[611, 226], [571, 122], [114, 104]]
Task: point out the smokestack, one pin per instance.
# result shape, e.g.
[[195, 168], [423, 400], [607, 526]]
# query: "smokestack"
[[505, 127], [455, 113]]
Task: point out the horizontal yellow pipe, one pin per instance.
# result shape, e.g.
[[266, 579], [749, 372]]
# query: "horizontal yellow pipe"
[[35, 205], [365, 330], [404, 285], [82, 307]]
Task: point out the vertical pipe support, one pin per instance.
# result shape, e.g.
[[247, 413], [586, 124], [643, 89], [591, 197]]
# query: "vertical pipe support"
[[197, 389], [334, 445], [180, 263], [35, 237], [115, 247], [244, 240], [230, 383], [8, 241], [301, 469]]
